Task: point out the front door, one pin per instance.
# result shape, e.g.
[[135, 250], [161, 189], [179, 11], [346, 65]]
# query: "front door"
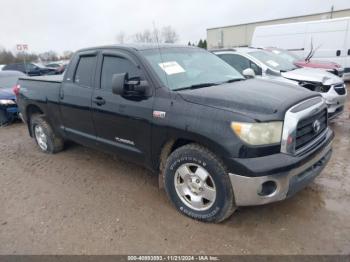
[[123, 125]]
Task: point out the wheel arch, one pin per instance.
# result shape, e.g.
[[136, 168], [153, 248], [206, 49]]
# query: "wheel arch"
[[176, 142], [32, 109]]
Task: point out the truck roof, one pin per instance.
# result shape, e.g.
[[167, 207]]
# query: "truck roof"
[[137, 47]]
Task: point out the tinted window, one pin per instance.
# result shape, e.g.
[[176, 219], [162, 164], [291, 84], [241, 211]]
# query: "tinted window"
[[236, 61], [9, 67], [257, 69], [30, 67], [85, 70], [116, 65], [240, 63]]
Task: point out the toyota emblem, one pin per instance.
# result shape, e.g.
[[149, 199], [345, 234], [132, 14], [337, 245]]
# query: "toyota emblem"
[[316, 126]]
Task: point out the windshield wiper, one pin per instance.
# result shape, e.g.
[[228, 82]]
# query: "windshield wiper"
[[234, 80], [196, 86]]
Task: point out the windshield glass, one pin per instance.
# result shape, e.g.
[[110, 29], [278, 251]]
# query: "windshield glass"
[[286, 55], [180, 68], [273, 61]]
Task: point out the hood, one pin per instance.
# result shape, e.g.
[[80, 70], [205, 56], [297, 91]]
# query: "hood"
[[7, 93], [258, 99], [312, 75], [318, 64]]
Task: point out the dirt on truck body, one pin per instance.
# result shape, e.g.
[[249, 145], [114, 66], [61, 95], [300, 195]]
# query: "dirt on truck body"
[[82, 201]]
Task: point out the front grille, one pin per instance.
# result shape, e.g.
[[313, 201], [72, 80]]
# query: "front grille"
[[340, 89], [306, 133]]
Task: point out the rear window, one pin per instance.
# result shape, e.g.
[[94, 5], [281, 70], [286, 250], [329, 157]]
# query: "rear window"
[[85, 70]]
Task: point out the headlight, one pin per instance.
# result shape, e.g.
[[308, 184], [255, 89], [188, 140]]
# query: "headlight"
[[7, 102], [258, 133]]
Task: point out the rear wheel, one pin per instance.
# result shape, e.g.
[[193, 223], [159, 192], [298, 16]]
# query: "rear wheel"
[[46, 139], [197, 183]]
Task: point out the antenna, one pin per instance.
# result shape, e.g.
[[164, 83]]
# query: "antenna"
[[159, 50], [310, 53]]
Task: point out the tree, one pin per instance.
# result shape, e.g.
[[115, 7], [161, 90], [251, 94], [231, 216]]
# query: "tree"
[[202, 43], [28, 57], [48, 56], [6, 57], [144, 37], [189, 43], [205, 44], [120, 37], [166, 35], [169, 35], [66, 55]]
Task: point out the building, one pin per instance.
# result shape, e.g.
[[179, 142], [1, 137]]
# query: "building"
[[241, 34]]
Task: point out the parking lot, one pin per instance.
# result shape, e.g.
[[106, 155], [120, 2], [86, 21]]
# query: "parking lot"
[[82, 201]]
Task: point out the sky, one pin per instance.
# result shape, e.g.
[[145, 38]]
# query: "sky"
[[73, 24]]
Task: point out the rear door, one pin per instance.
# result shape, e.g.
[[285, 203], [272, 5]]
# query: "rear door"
[[75, 99], [123, 124]]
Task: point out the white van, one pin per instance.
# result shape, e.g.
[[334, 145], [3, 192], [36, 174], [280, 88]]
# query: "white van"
[[329, 38]]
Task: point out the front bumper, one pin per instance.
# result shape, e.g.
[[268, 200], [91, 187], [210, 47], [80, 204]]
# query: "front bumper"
[[249, 190], [9, 114], [335, 102], [346, 76]]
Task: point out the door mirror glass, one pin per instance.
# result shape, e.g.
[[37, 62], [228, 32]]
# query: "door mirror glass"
[[129, 87], [248, 73], [118, 83]]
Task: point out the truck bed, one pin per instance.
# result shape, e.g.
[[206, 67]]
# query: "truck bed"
[[42, 91]]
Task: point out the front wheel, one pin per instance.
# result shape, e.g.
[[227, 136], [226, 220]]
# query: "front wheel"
[[197, 183]]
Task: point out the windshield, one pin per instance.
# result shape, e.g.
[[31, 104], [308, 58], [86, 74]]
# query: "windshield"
[[181, 68], [286, 55], [273, 61]]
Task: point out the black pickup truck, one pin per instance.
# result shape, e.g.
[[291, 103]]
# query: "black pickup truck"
[[216, 140]]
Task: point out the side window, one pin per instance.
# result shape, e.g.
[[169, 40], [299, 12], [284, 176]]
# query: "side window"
[[20, 67], [257, 69], [238, 62], [30, 67], [85, 70], [116, 65]]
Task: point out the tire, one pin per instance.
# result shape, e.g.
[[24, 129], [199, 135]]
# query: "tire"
[[207, 195], [42, 132], [3, 117]]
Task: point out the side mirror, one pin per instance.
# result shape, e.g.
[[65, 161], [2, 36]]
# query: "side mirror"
[[248, 73], [118, 83], [129, 87]]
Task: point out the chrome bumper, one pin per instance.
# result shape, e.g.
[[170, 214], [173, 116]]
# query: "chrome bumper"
[[247, 189]]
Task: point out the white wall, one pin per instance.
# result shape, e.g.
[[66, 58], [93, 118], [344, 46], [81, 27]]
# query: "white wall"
[[241, 35]]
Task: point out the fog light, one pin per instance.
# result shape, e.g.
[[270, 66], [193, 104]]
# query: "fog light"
[[268, 188]]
